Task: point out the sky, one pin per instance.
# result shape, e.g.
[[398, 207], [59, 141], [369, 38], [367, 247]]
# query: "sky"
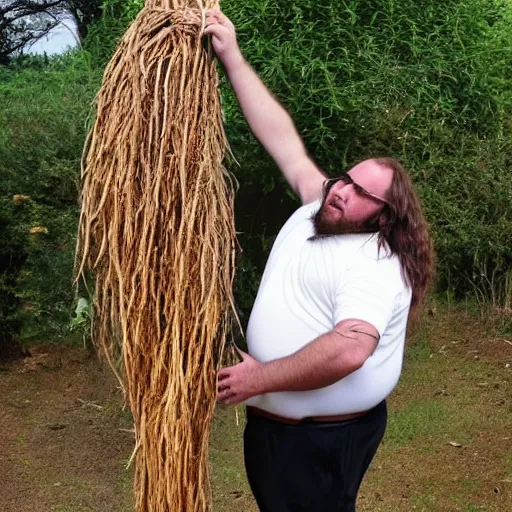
[[58, 40]]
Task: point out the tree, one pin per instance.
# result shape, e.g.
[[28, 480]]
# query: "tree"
[[23, 22], [84, 12]]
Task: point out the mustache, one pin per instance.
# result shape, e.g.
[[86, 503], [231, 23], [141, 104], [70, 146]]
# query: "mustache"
[[324, 228]]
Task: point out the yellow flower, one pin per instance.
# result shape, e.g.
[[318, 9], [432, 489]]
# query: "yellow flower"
[[19, 198], [38, 229]]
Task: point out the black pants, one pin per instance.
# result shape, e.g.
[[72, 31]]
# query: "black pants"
[[310, 467]]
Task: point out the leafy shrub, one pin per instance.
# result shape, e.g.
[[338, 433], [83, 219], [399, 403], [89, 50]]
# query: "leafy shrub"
[[427, 82], [43, 112]]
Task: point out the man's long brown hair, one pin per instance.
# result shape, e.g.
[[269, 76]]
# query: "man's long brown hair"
[[404, 230]]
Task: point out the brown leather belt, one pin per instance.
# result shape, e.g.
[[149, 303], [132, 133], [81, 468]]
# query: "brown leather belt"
[[255, 411]]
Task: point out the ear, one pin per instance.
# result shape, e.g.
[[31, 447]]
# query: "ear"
[[384, 219]]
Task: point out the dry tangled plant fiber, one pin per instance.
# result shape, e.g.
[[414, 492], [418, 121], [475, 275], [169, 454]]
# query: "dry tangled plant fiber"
[[157, 232]]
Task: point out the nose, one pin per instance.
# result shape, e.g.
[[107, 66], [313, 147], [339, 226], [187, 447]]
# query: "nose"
[[341, 190]]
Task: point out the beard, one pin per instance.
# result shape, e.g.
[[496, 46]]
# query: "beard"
[[325, 227]]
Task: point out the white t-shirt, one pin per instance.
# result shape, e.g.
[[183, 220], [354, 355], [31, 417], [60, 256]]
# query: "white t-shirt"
[[307, 288]]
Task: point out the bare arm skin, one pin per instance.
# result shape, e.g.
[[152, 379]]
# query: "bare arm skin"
[[325, 360], [269, 121]]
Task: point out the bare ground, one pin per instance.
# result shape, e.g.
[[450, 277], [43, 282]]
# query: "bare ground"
[[65, 440], [62, 443]]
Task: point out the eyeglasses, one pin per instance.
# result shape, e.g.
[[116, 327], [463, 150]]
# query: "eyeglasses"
[[358, 188]]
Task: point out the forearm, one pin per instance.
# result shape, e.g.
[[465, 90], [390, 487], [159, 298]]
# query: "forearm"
[[322, 362], [268, 120], [325, 360]]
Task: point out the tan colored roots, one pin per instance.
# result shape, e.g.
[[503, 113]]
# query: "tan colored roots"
[[156, 229]]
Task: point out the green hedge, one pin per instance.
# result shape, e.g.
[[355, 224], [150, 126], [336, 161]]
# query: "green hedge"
[[44, 107], [427, 82]]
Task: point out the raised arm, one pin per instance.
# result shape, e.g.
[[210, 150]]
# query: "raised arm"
[[269, 121]]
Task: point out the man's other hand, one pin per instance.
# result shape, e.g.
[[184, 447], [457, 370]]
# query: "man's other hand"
[[240, 382], [223, 34]]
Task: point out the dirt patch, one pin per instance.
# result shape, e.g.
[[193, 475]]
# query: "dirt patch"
[[64, 441], [448, 446], [466, 334]]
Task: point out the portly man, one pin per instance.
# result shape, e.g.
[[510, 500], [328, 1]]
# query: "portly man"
[[326, 334]]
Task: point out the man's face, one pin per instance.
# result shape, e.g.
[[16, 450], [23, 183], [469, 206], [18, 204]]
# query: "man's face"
[[351, 204]]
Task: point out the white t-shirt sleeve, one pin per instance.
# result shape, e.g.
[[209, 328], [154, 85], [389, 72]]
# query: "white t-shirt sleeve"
[[368, 290]]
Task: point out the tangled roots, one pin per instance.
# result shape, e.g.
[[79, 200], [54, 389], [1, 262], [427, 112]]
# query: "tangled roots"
[[157, 231]]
